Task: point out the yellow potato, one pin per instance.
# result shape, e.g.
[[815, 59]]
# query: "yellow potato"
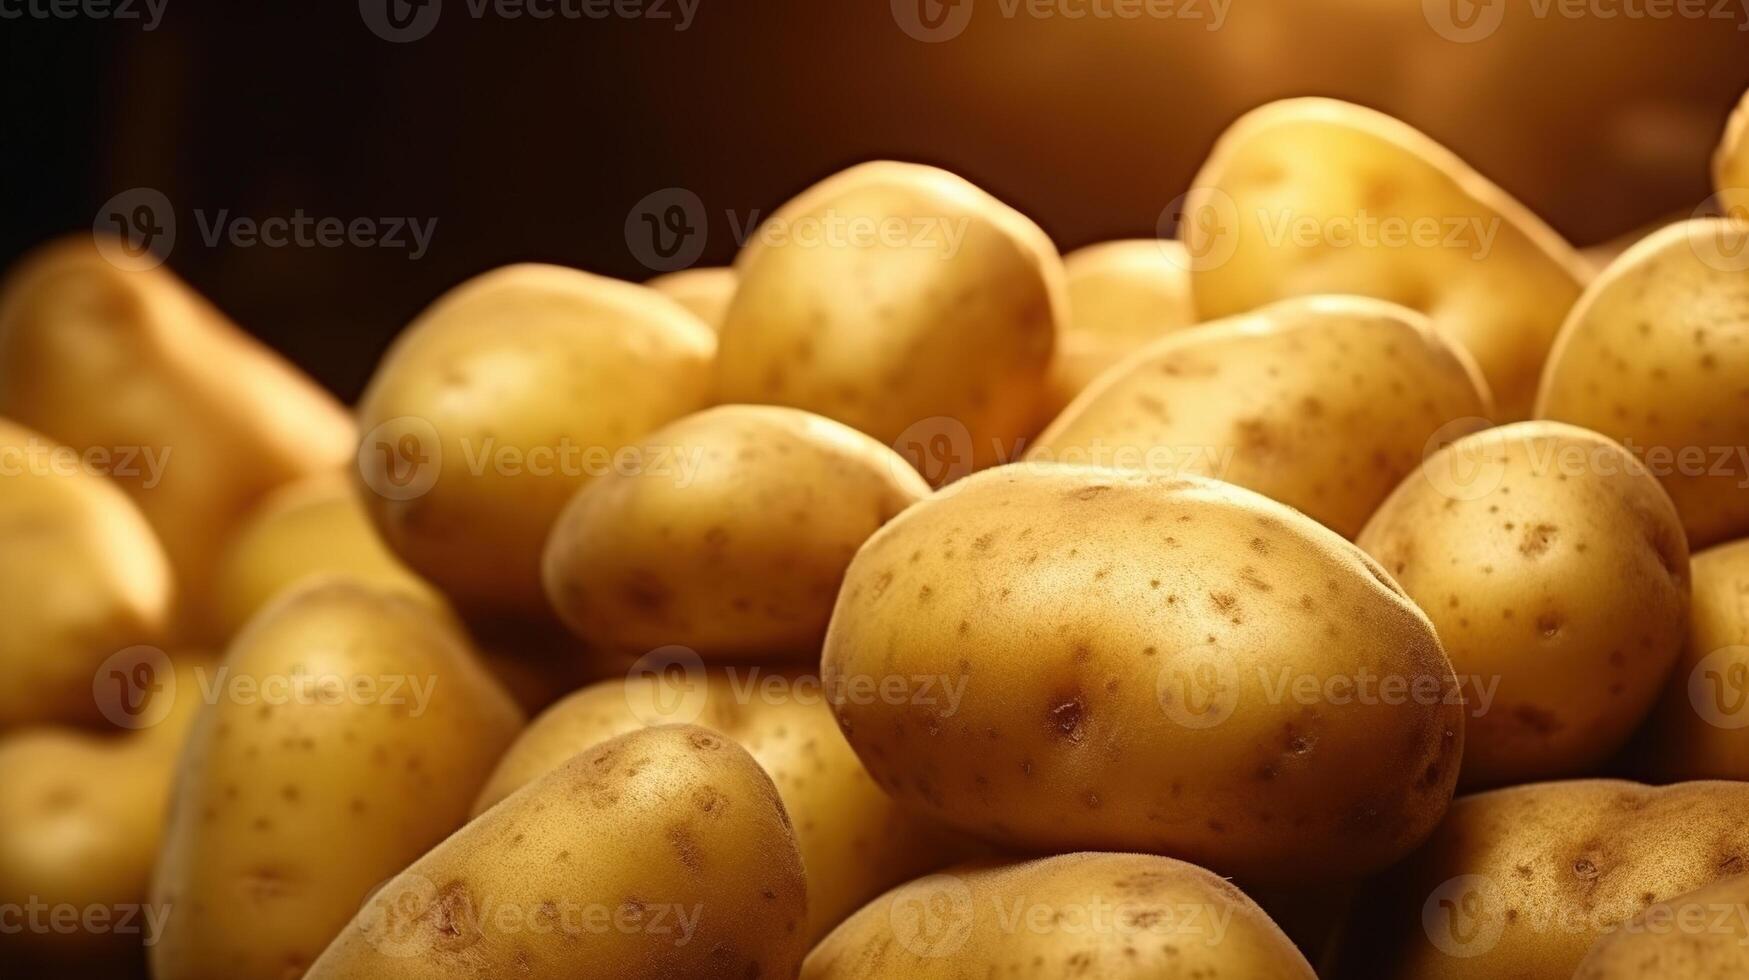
[[1652, 357], [706, 292], [855, 841], [1320, 196], [1110, 916], [1323, 403], [1703, 935], [1121, 296], [663, 853], [893, 296], [1700, 729], [1731, 165], [503, 399], [347, 730], [198, 418], [82, 577], [1519, 882], [736, 546], [1062, 658], [1556, 572]]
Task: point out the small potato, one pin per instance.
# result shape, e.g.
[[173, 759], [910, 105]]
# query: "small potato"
[[1700, 729], [196, 419], [663, 853], [1556, 572], [1323, 403], [1111, 916], [348, 730], [706, 292], [894, 295], [1178, 667], [1654, 356], [1520, 882], [500, 402], [82, 577], [1702, 935], [855, 840], [1121, 296], [1731, 165], [1320, 196], [737, 549]]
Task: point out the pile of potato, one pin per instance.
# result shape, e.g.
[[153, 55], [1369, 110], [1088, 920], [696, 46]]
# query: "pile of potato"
[[906, 601]]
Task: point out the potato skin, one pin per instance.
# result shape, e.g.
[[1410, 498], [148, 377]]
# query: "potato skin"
[[1323, 403], [676, 816], [741, 558], [1500, 289], [1111, 916], [1558, 581], [1701, 935], [1700, 728], [706, 292], [956, 321], [1132, 656], [1122, 295], [289, 808], [521, 384], [1665, 319]]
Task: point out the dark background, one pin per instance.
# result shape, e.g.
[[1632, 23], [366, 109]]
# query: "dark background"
[[532, 139]]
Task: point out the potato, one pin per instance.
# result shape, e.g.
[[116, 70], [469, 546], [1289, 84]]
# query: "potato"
[[502, 400], [1064, 658], [1320, 196], [314, 526], [1323, 403], [1668, 317], [706, 292], [1519, 882], [1698, 730], [736, 549], [348, 730], [1111, 916], [1121, 296], [1731, 164], [855, 841], [1555, 570], [662, 853], [893, 296], [1702, 935], [197, 418], [82, 577]]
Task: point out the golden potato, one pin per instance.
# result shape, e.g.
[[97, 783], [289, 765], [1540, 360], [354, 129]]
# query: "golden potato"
[[1519, 882], [663, 853], [1653, 357], [1121, 296], [1112, 916], [706, 292], [1703, 935], [1700, 729], [894, 295], [1319, 196], [347, 730], [1555, 570], [736, 548], [855, 841], [1323, 403], [1063, 658], [503, 399], [1731, 165], [198, 419], [82, 577]]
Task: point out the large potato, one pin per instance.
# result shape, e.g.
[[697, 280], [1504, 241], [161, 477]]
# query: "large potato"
[[504, 398], [348, 730], [1320, 196], [737, 548], [82, 577], [706, 292], [894, 295], [1111, 916], [198, 418], [1731, 165], [1062, 658], [1656, 356], [1519, 882], [1556, 572], [663, 854], [855, 840], [1121, 296], [1702, 935], [1323, 403], [1700, 729]]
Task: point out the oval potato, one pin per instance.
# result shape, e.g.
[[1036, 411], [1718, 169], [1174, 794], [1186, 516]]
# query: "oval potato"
[[1121, 296], [1702, 935], [1700, 729], [1731, 164], [706, 292]]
